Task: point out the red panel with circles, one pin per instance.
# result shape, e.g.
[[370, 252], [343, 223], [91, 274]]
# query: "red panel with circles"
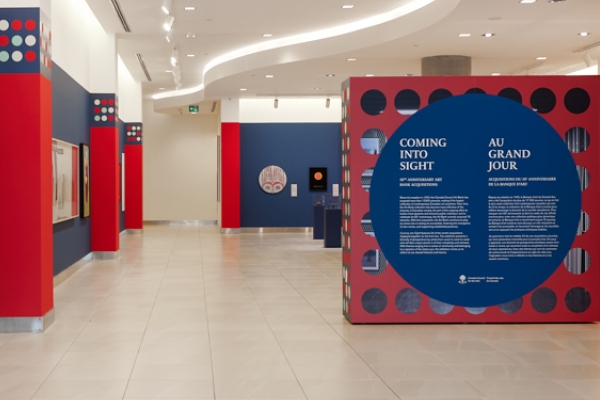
[[571, 294]]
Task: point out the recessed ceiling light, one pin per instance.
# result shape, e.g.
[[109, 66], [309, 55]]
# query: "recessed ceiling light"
[[317, 88], [243, 89], [269, 76], [330, 75], [190, 35], [191, 55], [495, 73], [527, 1], [168, 70], [370, 75], [161, 88], [541, 58], [350, 59], [267, 34], [348, 6], [584, 34], [464, 34], [189, 8], [488, 34], [556, 1]]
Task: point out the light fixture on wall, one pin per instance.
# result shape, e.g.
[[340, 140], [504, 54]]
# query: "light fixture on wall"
[[328, 102], [166, 7], [169, 23], [276, 103]]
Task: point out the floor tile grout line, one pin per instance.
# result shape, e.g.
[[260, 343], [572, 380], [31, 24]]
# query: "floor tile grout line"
[[344, 339], [81, 270], [146, 329]]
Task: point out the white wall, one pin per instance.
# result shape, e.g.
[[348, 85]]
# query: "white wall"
[[130, 95], [290, 110], [180, 166]]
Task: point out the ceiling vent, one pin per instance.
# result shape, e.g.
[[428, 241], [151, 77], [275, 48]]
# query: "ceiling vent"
[[143, 65], [120, 14], [214, 107]]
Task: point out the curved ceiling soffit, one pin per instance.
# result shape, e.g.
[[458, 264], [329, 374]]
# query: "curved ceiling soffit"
[[413, 16]]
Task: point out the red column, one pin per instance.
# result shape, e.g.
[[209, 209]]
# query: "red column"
[[134, 190], [230, 175], [104, 174], [26, 266]]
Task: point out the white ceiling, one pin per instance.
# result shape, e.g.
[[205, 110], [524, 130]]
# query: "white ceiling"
[[522, 33]]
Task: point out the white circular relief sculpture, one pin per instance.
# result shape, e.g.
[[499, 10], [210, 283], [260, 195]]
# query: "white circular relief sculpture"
[[272, 179]]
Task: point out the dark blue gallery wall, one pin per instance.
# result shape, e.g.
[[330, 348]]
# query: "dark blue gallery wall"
[[122, 134], [295, 147], [70, 113]]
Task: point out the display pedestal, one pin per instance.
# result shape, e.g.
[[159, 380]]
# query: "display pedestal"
[[333, 226], [318, 221]]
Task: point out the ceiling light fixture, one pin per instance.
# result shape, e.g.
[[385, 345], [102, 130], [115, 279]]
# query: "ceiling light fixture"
[[348, 6], [161, 88], [584, 34], [267, 35], [556, 1], [317, 88], [191, 55], [243, 89], [495, 73], [335, 31], [464, 34], [541, 58], [269, 76], [370, 75], [175, 57], [166, 7], [190, 35], [330, 75], [189, 8], [488, 34], [169, 23], [350, 59], [527, 1], [169, 36]]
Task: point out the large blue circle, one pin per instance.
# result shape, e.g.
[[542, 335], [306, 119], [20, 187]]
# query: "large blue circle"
[[469, 211]]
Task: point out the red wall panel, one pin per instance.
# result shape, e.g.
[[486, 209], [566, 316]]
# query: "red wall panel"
[[26, 285], [230, 175], [134, 190], [104, 186]]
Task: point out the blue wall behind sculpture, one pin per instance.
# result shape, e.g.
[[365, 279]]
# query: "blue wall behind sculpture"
[[295, 147]]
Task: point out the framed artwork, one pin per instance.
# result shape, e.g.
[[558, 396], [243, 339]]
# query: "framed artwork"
[[65, 181], [84, 150], [272, 179], [318, 179]]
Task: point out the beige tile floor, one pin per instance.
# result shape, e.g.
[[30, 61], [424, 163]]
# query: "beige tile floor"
[[187, 313]]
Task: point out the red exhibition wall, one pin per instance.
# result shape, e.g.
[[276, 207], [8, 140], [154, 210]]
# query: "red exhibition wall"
[[134, 177], [357, 241], [230, 175], [26, 243]]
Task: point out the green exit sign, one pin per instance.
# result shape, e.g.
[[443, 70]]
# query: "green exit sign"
[[193, 109]]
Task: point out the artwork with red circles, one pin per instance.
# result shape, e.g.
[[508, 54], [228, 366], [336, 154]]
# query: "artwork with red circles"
[[24, 39], [372, 290], [104, 109], [133, 133]]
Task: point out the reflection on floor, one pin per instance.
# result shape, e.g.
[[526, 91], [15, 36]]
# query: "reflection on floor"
[[189, 313]]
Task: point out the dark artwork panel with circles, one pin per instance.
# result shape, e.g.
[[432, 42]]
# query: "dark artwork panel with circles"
[[470, 199]]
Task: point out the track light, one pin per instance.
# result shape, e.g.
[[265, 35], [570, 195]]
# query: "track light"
[[166, 7], [169, 36], [178, 86], [328, 102], [276, 103], [588, 60], [169, 23], [175, 57]]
